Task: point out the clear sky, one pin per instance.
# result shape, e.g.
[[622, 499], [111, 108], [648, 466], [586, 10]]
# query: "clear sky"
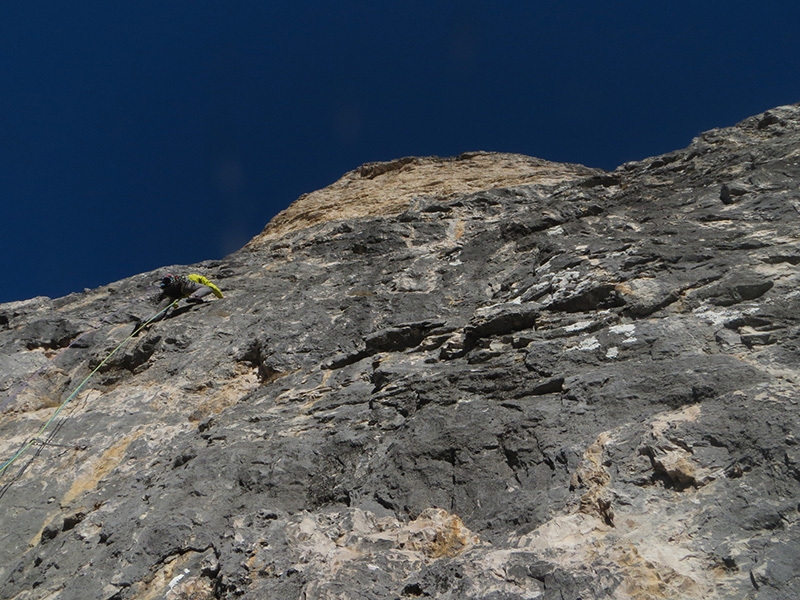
[[140, 134]]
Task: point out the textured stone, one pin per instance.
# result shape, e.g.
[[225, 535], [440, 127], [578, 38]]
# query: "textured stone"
[[482, 377]]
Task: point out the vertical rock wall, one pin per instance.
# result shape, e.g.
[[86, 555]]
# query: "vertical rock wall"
[[482, 377]]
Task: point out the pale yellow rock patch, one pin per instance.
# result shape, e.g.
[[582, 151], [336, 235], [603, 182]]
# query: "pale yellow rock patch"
[[388, 188]]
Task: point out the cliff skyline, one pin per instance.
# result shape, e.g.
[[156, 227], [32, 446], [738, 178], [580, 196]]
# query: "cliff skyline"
[[488, 376], [146, 133]]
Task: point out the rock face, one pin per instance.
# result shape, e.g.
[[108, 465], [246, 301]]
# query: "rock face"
[[482, 377]]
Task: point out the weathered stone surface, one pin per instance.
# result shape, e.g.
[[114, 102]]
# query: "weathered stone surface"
[[482, 377]]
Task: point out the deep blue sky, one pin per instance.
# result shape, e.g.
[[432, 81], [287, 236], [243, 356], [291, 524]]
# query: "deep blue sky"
[[140, 134]]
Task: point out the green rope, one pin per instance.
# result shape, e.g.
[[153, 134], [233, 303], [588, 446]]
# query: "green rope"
[[35, 439]]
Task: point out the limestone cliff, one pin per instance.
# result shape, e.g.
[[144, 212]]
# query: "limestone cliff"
[[481, 377]]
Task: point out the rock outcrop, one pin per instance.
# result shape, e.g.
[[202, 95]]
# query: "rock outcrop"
[[482, 377]]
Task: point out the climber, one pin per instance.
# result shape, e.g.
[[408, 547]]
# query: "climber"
[[192, 287]]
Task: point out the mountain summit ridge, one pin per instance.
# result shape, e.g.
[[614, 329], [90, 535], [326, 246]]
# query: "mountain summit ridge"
[[489, 376], [390, 187]]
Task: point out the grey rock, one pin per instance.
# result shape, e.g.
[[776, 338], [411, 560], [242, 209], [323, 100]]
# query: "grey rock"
[[481, 377]]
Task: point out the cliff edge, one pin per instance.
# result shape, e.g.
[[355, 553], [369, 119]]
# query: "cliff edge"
[[489, 376]]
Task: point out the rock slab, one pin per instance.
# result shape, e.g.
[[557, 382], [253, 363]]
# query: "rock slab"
[[484, 377]]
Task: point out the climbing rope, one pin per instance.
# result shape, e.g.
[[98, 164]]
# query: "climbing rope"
[[22, 386], [36, 439]]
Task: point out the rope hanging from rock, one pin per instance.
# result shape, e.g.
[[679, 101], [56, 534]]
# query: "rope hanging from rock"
[[21, 387], [37, 438]]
